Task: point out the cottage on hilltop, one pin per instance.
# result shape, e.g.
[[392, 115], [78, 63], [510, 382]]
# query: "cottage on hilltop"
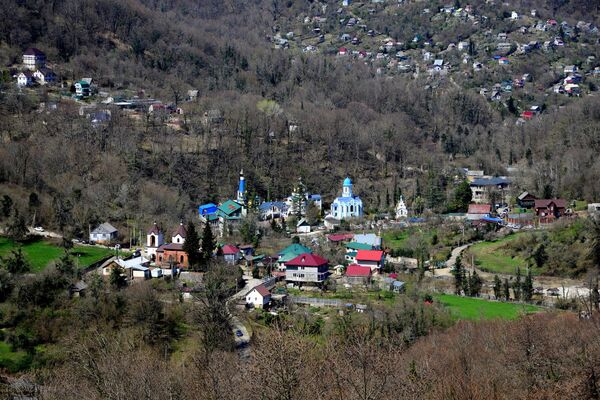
[[34, 59]]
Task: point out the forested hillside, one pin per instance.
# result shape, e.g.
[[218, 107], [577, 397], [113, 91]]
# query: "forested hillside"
[[391, 133]]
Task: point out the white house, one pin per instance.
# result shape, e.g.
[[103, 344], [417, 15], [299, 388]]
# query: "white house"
[[25, 79], [401, 210], [303, 226], [258, 296], [104, 233], [348, 205], [34, 58], [44, 76]]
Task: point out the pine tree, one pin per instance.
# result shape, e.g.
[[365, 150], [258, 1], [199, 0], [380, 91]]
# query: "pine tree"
[[65, 265], [528, 287], [517, 285], [117, 278], [506, 287], [475, 284], [17, 263], [191, 246], [458, 276], [17, 228], [497, 287], [208, 245]]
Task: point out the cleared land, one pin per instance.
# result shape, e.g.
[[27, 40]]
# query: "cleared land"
[[474, 309], [41, 252], [493, 257]]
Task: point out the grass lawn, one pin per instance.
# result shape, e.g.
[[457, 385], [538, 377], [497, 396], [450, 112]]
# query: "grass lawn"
[[474, 309], [41, 252], [490, 257], [14, 361]]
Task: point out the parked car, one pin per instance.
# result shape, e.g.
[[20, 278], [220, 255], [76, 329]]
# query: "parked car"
[[38, 229], [239, 333]]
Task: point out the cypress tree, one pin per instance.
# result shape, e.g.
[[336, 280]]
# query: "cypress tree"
[[506, 288], [475, 284], [208, 245], [458, 276], [517, 285], [497, 287], [190, 246], [528, 287]]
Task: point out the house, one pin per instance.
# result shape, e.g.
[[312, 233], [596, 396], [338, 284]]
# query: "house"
[[104, 233], [303, 226], [259, 296], [527, 115], [526, 200], [330, 222], [342, 51], [78, 289], [340, 237], [25, 78], [291, 252], [307, 268], [44, 76], [373, 259], [206, 210], [231, 254], [503, 61], [478, 211], [514, 15], [484, 188], [83, 89], [570, 69], [358, 275], [398, 287], [593, 207], [368, 238], [154, 239], [348, 205], [550, 208], [34, 59], [134, 267], [273, 209]]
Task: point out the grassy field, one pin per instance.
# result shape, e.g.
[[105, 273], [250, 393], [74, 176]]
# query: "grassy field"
[[13, 361], [41, 252], [491, 257], [474, 309]]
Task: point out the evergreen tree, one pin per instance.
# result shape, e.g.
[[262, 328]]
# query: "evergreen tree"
[[117, 278], [65, 265], [506, 288], [497, 287], [462, 196], [208, 245], [17, 228], [191, 246], [517, 285], [528, 287], [16, 263], [6, 206], [475, 284], [458, 276], [466, 276]]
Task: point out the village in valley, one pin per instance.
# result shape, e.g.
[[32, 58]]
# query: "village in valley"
[[198, 200]]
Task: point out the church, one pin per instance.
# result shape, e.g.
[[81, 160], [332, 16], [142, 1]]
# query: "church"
[[348, 205]]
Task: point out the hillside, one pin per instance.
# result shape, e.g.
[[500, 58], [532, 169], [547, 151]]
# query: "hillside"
[[327, 115]]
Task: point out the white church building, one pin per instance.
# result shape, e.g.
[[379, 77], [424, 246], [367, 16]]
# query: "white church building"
[[348, 205], [401, 209]]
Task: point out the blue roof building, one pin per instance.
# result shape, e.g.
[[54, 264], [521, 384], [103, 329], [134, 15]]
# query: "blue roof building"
[[348, 205]]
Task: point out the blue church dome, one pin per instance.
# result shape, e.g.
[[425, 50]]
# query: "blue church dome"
[[347, 182]]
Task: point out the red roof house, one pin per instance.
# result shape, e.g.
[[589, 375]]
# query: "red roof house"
[[478, 211], [550, 208], [307, 268], [231, 254], [373, 259], [527, 114], [354, 270]]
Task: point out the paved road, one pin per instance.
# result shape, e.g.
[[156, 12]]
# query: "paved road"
[[241, 341], [456, 252]]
